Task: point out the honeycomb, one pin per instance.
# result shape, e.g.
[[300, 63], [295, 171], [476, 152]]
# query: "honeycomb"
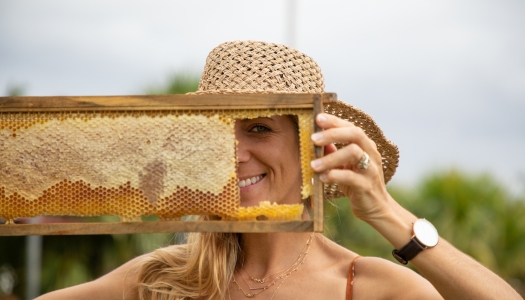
[[275, 212], [132, 164]]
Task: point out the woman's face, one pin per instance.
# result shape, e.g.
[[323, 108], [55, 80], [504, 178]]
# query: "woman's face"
[[269, 160]]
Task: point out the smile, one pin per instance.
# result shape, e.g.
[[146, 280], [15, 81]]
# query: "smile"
[[250, 181]]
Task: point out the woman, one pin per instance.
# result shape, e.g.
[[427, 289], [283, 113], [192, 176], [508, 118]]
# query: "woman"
[[297, 265]]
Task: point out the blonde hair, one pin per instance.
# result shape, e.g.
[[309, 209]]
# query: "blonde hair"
[[200, 269]]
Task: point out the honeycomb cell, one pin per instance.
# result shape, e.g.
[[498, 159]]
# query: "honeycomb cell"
[[132, 163]]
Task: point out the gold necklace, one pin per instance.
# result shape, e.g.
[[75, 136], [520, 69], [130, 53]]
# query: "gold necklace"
[[284, 276], [277, 278], [252, 288], [230, 297], [294, 267], [248, 294], [277, 287], [261, 281]]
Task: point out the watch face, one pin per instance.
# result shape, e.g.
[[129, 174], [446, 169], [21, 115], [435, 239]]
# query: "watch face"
[[426, 233]]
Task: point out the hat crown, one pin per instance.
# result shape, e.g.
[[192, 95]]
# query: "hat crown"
[[255, 67]]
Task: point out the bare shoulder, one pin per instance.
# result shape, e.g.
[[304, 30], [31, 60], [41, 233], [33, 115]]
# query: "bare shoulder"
[[377, 278], [337, 256], [120, 283]]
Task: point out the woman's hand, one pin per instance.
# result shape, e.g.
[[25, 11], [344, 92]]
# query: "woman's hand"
[[364, 187]]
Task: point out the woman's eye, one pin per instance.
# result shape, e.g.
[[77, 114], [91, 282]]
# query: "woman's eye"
[[259, 129]]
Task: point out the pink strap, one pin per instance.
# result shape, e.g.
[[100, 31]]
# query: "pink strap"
[[350, 282]]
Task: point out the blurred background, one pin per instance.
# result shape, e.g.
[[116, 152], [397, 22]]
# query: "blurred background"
[[444, 80]]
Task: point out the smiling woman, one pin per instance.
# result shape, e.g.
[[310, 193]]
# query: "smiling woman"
[[268, 151], [299, 265]]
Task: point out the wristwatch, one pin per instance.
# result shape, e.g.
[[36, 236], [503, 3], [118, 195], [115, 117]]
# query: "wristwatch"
[[424, 235]]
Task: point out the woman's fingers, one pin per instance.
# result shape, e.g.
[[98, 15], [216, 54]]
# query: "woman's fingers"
[[340, 131], [339, 135], [349, 179], [327, 121], [342, 158]]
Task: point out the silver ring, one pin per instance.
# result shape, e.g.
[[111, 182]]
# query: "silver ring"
[[364, 163]]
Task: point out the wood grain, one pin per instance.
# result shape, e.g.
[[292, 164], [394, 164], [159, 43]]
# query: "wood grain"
[[161, 102], [318, 195], [153, 227]]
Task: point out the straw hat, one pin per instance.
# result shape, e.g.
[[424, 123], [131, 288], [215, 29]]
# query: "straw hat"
[[260, 67]]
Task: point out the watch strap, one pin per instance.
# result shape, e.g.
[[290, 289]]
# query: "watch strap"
[[408, 251]]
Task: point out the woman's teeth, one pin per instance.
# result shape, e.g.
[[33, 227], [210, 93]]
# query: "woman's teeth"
[[249, 181]]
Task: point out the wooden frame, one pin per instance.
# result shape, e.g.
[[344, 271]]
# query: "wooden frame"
[[172, 102]]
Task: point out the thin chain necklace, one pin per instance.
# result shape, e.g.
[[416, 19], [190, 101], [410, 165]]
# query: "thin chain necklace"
[[253, 288], [261, 281], [284, 276], [284, 272], [294, 267], [277, 287], [273, 295]]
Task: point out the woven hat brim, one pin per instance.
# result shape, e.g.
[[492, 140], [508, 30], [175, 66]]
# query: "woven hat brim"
[[388, 150], [228, 91]]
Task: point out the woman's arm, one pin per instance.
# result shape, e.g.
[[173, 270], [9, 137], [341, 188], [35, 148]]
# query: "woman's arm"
[[120, 283], [454, 274]]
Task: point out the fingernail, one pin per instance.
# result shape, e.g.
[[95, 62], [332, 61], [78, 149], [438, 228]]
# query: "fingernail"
[[321, 118], [316, 163], [323, 177], [317, 136]]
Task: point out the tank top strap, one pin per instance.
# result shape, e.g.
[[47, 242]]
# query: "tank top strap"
[[350, 282]]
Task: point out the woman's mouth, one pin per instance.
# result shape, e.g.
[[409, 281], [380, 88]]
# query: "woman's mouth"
[[250, 181]]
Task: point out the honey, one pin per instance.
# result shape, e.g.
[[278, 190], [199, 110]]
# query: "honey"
[[132, 164]]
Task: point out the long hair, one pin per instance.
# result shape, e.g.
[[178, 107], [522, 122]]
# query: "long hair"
[[200, 269]]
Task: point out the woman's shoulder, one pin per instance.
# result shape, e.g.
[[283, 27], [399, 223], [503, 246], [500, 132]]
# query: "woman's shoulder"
[[333, 249], [374, 277], [336, 258], [389, 280], [119, 283], [381, 269]]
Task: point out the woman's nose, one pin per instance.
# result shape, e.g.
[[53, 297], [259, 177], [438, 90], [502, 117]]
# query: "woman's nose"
[[242, 154]]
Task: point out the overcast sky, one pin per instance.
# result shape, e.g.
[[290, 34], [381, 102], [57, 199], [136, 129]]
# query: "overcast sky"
[[444, 79]]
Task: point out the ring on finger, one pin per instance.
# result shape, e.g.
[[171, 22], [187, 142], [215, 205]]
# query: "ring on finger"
[[364, 162]]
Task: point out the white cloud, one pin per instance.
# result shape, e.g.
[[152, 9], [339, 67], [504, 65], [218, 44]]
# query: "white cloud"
[[444, 79]]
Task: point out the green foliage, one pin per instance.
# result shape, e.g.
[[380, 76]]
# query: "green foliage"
[[473, 212], [478, 216], [71, 260], [16, 90], [342, 227], [178, 83]]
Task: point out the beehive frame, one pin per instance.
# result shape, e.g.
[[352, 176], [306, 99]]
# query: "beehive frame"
[[312, 102]]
